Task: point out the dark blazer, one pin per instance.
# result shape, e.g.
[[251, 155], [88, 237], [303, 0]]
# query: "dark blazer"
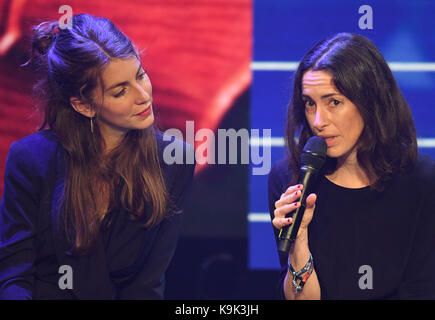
[[32, 248]]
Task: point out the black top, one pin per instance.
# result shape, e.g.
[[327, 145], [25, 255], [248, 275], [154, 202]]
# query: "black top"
[[128, 261], [357, 233]]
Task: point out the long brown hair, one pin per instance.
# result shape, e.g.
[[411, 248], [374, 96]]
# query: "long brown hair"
[[70, 62], [388, 143]]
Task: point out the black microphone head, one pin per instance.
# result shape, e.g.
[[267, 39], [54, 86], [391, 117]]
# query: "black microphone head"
[[314, 153]]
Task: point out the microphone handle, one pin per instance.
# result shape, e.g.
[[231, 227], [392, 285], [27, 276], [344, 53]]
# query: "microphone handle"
[[287, 234]]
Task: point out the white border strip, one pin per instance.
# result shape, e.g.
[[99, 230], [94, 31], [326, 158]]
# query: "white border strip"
[[279, 142], [426, 142], [259, 217], [274, 66], [293, 65], [267, 142]]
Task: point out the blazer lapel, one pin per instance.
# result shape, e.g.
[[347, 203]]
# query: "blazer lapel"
[[90, 273]]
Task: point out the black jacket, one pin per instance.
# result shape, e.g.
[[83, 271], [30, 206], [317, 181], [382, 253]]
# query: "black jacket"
[[128, 262]]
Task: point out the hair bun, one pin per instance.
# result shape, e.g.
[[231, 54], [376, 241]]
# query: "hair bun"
[[44, 35]]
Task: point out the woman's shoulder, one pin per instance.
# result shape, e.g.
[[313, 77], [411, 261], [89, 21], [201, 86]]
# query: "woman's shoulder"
[[420, 177], [31, 155], [280, 175], [39, 142], [174, 151], [424, 171], [426, 163], [168, 141], [177, 157], [38, 145], [280, 170]]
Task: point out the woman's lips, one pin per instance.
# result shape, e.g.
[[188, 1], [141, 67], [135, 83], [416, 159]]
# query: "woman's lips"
[[145, 113], [330, 141]]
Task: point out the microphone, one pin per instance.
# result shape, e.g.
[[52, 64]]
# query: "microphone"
[[313, 158]]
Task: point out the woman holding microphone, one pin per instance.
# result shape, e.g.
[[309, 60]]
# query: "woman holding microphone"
[[367, 230]]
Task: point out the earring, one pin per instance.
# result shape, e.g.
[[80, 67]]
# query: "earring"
[[92, 126]]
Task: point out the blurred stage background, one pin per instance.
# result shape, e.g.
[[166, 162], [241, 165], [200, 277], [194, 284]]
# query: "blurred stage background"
[[226, 64]]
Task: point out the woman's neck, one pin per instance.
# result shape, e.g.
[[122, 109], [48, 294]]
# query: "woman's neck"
[[112, 139], [349, 173]]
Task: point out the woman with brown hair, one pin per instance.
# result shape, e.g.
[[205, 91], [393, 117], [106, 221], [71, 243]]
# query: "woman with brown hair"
[[91, 189], [367, 231]]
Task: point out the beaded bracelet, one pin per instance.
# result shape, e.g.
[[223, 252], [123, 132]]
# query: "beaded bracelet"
[[308, 269]]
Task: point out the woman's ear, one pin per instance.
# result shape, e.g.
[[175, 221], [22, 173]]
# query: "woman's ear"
[[82, 108]]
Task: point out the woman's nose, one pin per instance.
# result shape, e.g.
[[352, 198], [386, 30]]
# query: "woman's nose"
[[144, 95], [321, 119]]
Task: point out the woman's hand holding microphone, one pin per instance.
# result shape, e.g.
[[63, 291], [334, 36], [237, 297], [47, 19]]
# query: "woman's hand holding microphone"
[[299, 252]]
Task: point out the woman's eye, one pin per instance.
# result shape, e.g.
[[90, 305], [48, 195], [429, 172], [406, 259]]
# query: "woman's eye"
[[142, 75], [121, 93], [309, 104], [335, 102]]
